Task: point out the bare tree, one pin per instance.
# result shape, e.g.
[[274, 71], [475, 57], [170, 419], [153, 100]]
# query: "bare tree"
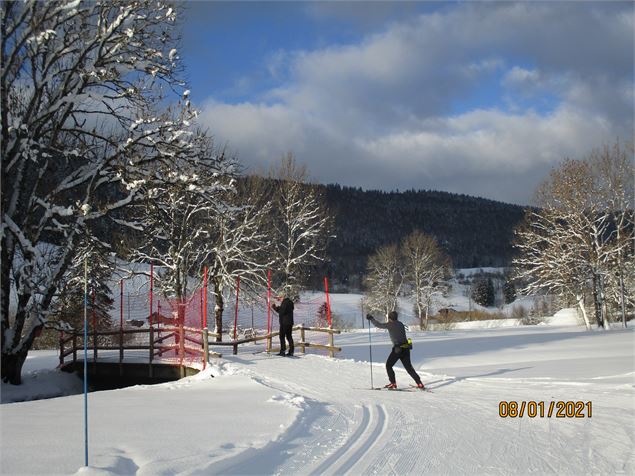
[[240, 239], [546, 262], [79, 89], [613, 168], [384, 279], [200, 218], [176, 214], [581, 237], [300, 221], [426, 267]]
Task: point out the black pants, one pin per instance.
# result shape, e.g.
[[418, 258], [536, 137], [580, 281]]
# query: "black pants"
[[286, 331], [404, 356]]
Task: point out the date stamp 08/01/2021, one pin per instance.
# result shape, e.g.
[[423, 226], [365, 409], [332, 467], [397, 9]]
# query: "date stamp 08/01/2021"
[[539, 409]]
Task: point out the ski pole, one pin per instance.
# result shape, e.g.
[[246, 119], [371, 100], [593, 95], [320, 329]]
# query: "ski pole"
[[370, 349]]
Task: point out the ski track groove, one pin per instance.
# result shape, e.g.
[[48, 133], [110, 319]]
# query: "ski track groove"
[[343, 446], [408, 433], [378, 427]]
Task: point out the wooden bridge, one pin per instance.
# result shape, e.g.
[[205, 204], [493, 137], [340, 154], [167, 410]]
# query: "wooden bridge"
[[157, 354]]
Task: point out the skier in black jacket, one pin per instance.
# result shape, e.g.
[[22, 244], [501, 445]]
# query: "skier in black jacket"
[[400, 350], [285, 314]]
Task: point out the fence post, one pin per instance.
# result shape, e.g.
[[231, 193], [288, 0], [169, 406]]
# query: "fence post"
[[159, 325], [205, 347], [181, 343], [328, 300], [331, 342], [236, 308], [205, 298], [151, 346], [361, 303], [302, 338]]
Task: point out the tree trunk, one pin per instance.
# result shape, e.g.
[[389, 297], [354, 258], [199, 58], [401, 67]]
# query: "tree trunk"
[[11, 368], [427, 314], [218, 314], [597, 300], [584, 315], [622, 298]]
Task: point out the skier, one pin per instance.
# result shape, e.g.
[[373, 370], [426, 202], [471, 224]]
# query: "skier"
[[285, 314], [400, 350]]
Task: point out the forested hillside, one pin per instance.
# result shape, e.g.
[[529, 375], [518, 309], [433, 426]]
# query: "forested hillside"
[[473, 231]]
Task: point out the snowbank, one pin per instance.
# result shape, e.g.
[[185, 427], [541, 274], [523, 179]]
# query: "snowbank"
[[486, 324], [564, 317], [41, 384]]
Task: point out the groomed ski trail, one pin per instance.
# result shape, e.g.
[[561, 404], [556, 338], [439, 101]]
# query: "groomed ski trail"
[[454, 429]]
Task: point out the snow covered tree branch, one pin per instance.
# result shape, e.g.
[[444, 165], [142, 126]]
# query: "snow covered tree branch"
[[199, 217], [81, 84], [300, 222], [384, 280], [580, 242], [426, 268]]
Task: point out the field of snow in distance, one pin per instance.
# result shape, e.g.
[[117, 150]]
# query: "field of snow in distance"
[[263, 414]]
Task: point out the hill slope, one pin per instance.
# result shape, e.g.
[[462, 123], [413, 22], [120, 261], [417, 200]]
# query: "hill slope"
[[475, 232]]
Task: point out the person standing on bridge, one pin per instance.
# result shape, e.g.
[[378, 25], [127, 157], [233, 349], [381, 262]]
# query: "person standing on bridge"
[[400, 350], [285, 314]]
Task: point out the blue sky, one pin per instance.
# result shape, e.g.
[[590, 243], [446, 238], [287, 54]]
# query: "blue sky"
[[469, 97]]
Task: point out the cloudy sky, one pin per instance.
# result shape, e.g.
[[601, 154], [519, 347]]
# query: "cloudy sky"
[[467, 97]]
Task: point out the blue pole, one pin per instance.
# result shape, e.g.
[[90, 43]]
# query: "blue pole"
[[85, 362]]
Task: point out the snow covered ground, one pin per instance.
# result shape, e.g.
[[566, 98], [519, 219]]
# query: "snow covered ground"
[[263, 414]]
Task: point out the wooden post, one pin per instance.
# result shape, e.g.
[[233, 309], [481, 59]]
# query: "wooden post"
[[181, 343], [159, 325], [205, 347], [151, 290], [236, 308], [302, 338], [328, 301], [74, 347], [361, 303], [331, 343], [151, 358], [205, 298]]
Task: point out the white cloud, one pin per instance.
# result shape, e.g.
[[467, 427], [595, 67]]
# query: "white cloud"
[[383, 113], [520, 76]]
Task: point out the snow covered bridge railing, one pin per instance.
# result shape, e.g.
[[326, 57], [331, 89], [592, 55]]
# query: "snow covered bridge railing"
[[172, 345]]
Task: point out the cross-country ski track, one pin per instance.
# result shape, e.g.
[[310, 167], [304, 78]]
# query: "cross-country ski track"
[[456, 429], [313, 415]]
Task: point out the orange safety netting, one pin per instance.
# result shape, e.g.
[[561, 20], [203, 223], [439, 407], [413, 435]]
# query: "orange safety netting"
[[178, 328], [177, 325]]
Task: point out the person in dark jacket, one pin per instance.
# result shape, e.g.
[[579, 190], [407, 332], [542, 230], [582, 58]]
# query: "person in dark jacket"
[[285, 314], [400, 350]]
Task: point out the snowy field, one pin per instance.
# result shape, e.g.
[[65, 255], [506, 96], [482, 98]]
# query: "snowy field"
[[263, 414]]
